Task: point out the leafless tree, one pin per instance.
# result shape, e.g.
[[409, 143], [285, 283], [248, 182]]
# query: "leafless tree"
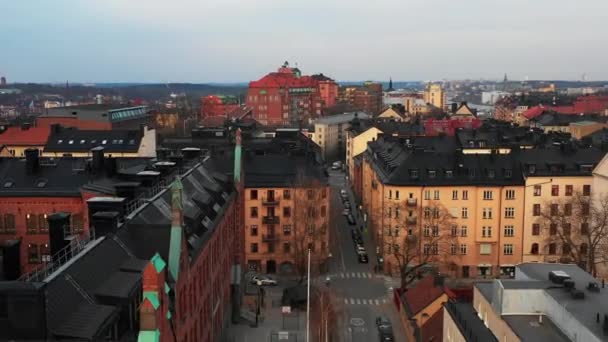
[[324, 313], [311, 223], [415, 242], [576, 227]]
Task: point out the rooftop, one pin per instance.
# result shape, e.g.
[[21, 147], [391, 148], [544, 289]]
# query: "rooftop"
[[529, 329], [341, 118], [98, 112], [76, 140], [468, 322], [24, 136]]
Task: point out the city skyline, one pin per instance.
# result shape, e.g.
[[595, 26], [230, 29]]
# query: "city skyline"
[[114, 41]]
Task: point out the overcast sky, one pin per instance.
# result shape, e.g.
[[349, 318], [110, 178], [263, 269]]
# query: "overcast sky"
[[240, 40]]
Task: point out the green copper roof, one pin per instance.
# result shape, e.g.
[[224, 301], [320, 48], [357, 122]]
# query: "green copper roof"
[[237, 157], [167, 288], [158, 262], [169, 315], [175, 244], [149, 336], [153, 298]]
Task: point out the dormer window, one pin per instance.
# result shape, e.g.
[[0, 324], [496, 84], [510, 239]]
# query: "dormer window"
[[432, 173], [103, 142], [482, 143], [414, 173], [449, 174], [531, 169], [71, 142], [82, 141], [472, 173], [491, 173], [508, 173], [471, 143], [586, 167], [60, 141]]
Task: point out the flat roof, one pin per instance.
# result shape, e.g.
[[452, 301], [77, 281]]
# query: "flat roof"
[[529, 328]]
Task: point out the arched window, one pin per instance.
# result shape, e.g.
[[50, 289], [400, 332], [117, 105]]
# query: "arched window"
[[534, 249]]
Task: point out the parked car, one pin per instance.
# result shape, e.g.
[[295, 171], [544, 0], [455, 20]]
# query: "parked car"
[[337, 165], [343, 192], [347, 204], [363, 258], [360, 249], [355, 234], [351, 219], [385, 329], [263, 280], [346, 212]]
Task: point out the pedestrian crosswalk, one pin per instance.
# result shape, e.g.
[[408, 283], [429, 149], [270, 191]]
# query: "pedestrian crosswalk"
[[365, 301], [361, 275]]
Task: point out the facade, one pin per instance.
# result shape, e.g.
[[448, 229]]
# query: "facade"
[[218, 105], [95, 117], [331, 133], [286, 97], [18, 139], [117, 143], [286, 212], [435, 96], [491, 97], [366, 98]]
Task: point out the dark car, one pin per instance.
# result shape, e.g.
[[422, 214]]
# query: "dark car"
[[351, 219], [363, 258], [385, 329]]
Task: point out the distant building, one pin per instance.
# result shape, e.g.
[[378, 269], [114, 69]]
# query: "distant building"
[[218, 105], [491, 97], [15, 140], [2, 81], [287, 98], [95, 116], [435, 96], [366, 98], [330, 133]]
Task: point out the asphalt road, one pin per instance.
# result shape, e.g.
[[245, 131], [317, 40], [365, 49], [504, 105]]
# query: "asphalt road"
[[361, 294]]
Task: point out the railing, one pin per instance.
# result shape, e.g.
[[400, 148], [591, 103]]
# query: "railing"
[[271, 201], [270, 237], [143, 198], [411, 220], [270, 219], [59, 259], [412, 202]]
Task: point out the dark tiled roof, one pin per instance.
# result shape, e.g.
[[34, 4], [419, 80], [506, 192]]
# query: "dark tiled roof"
[[468, 322], [563, 160], [75, 140], [557, 119], [281, 170], [34, 136]]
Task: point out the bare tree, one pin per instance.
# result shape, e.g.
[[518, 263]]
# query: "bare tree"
[[325, 313], [311, 221], [576, 227], [414, 243]]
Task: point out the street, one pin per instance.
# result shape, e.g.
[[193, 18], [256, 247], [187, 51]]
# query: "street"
[[362, 295]]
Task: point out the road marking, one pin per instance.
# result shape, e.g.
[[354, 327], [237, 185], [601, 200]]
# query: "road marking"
[[377, 302], [345, 301], [352, 274], [384, 301], [365, 301], [347, 275], [352, 301], [358, 301]]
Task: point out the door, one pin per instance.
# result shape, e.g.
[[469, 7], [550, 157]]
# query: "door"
[[271, 266]]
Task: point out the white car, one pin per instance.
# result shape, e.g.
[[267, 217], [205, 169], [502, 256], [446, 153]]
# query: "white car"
[[263, 281], [343, 192], [361, 249]]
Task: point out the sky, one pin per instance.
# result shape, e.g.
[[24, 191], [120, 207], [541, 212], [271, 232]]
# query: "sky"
[[240, 40]]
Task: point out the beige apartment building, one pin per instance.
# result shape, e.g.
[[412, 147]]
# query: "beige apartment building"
[[331, 131]]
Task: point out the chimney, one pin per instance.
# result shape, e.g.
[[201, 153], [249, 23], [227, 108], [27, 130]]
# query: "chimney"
[[97, 153], [55, 128], [25, 126], [59, 223], [11, 256], [454, 107], [105, 222], [31, 160], [111, 166], [106, 204]]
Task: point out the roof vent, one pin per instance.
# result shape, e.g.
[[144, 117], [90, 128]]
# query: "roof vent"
[[577, 294], [558, 277]]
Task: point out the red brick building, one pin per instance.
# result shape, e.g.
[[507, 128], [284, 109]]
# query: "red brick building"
[[286, 97], [218, 105], [366, 98]]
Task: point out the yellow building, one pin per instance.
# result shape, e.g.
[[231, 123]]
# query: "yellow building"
[[15, 140], [392, 114], [434, 95]]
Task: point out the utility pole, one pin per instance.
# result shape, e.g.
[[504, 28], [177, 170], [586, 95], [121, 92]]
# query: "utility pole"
[[308, 300]]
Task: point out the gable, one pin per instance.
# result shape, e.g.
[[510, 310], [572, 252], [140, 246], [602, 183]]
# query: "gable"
[[390, 113]]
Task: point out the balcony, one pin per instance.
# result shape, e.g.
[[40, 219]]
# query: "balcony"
[[410, 220], [412, 202], [270, 219], [270, 201], [270, 237]]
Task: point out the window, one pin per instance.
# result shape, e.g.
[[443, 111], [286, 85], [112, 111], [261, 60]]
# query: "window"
[[552, 228], [324, 193], [427, 194], [491, 174], [287, 229], [435, 212], [77, 223], [465, 212], [566, 248], [449, 174], [487, 213], [286, 211], [536, 229], [270, 247], [487, 194], [254, 212], [427, 249], [45, 253], [554, 209], [586, 190], [567, 228], [465, 194], [30, 223], [254, 230], [509, 212], [311, 246], [454, 194], [534, 249], [507, 249], [463, 231], [454, 212], [312, 212], [253, 194], [453, 249], [435, 231], [254, 248], [432, 174], [508, 173], [510, 194], [436, 195], [585, 228], [463, 249], [396, 212], [397, 194], [569, 190], [389, 212], [286, 247], [323, 211], [286, 194], [536, 210], [454, 230], [427, 212], [552, 249], [567, 209], [509, 231], [9, 223], [32, 253], [427, 231], [585, 209], [414, 173], [390, 194], [486, 231], [485, 249], [310, 195], [554, 190], [537, 190], [43, 224]]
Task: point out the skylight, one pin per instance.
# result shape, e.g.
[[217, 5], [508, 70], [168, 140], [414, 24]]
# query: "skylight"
[[104, 142], [8, 184], [71, 142]]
